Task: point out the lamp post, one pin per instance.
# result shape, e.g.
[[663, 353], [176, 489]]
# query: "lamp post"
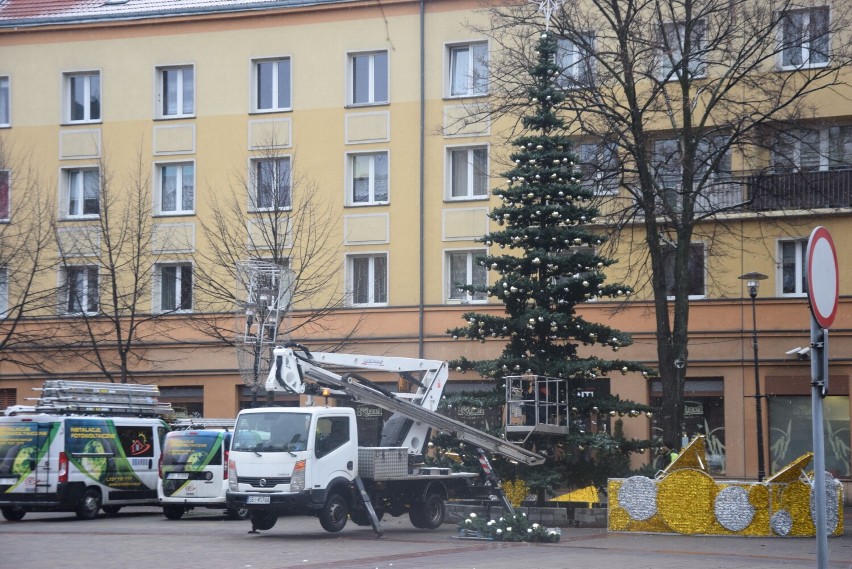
[[753, 282]]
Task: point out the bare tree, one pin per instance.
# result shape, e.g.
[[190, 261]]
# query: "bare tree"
[[27, 210], [683, 101], [274, 215], [111, 254]]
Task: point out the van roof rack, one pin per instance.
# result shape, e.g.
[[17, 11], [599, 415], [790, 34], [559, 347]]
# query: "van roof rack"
[[59, 396], [184, 423]]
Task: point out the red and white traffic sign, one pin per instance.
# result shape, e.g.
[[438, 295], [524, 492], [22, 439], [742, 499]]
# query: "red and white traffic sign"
[[823, 277]]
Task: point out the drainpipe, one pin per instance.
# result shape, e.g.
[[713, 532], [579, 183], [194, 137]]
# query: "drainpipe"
[[422, 301]]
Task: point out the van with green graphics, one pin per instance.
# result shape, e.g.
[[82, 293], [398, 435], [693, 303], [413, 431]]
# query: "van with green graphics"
[[194, 472], [77, 463]]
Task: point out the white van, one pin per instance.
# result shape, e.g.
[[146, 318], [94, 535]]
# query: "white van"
[[194, 472], [77, 463]]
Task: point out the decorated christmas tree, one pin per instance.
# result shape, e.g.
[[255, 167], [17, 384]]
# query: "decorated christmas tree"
[[546, 259]]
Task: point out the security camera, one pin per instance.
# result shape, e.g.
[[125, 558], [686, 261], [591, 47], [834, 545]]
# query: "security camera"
[[804, 352], [796, 350]]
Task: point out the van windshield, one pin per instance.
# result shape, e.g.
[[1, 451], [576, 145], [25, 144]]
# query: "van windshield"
[[193, 450], [271, 432]]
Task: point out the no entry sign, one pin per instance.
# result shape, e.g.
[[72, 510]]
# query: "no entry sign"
[[823, 280]]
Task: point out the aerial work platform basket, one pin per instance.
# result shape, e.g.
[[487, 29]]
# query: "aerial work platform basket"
[[536, 404]]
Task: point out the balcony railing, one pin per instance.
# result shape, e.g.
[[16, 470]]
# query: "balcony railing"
[[799, 190]]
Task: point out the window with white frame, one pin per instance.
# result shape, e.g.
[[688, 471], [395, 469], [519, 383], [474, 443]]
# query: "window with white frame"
[[5, 102], [83, 97], [5, 176], [468, 67], [174, 287], [176, 187], [82, 192], [598, 167], [175, 91], [368, 279], [468, 172], [368, 178], [811, 149], [4, 292], [696, 270], [805, 37], [791, 265], [673, 40], [368, 74], [574, 61], [464, 269], [272, 183], [81, 290], [271, 84], [712, 170]]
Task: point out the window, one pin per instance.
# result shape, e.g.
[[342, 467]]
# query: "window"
[[332, 433], [175, 288], [464, 269], [176, 187], [804, 38], [598, 167], [369, 78], [791, 434], [368, 276], [81, 290], [812, 149], [368, 178], [4, 292], [271, 85], [176, 92], [468, 172], [5, 104], [272, 183], [792, 266], [4, 195], [696, 270], [673, 40], [574, 62], [468, 69], [712, 173], [83, 97], [83, 192]]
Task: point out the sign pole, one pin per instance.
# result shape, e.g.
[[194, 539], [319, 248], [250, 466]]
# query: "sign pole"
[[823, 297], [819, 380]]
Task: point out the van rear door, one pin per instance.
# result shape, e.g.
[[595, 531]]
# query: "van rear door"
[[193, 464]]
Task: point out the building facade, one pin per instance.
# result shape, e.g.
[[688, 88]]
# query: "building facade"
[[195, 105]]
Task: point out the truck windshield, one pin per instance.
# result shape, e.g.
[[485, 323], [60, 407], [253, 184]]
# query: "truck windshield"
[[271, 432]]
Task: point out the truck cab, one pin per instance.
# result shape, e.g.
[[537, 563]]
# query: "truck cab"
[[294, 461]]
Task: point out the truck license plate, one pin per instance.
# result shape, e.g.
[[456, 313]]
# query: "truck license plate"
[[178, 475], [258, 500], [8, 481]]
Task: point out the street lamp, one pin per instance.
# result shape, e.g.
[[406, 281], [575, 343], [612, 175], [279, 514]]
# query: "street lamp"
[[753, 282]]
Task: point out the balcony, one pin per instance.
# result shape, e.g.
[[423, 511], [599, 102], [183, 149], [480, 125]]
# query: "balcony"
[[799, 190]]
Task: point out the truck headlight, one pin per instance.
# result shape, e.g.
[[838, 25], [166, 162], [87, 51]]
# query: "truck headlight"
[[297, 480]]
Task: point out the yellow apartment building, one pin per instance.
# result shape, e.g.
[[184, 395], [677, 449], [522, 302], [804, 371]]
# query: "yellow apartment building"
[[196, 103]]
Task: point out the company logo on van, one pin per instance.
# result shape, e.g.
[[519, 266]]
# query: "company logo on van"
[[374, 361], [262, 482]]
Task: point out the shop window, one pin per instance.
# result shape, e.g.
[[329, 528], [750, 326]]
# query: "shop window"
[[790, 432]]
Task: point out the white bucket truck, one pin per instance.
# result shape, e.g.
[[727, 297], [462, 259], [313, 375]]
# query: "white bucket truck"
[[307, 460]]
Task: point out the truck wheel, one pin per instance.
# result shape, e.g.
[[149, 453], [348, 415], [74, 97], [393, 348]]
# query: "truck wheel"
[[335, 513], [13, 513], [237, 513], [111, 510], [173, 512], [262, 520], [89, 504], [428, 514]]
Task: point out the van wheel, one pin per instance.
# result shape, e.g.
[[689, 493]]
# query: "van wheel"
[[111, 510], [237, 513], [428, 514], [262, 520], [173, 512], [334, 514], [89, 504], [13, 513]]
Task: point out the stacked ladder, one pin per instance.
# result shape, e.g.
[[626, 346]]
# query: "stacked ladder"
[[60, 396]]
